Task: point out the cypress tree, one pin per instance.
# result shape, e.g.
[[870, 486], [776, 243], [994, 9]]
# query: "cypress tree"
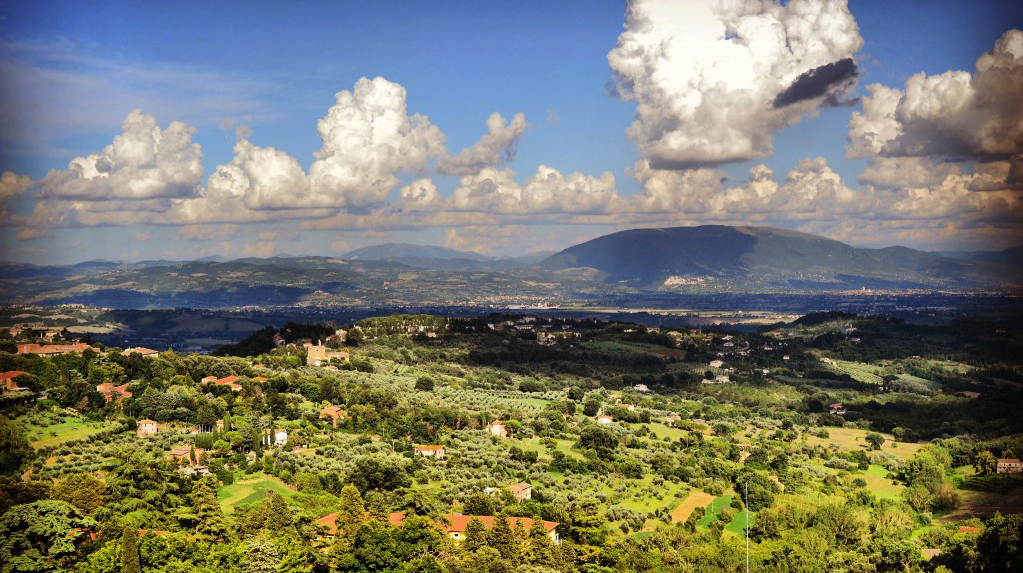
[[130, 550], [503, 540], [210, 517], [475, 535]]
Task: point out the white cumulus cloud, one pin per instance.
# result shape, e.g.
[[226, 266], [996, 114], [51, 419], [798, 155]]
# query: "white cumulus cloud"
[[954, 114], [494, 148], [712, 79], [143, 162]]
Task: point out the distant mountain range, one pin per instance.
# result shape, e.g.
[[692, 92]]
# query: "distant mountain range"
[[635, 263], [441, 258], [650, 258]]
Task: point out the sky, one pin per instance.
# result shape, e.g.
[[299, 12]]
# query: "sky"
[[134, 131]]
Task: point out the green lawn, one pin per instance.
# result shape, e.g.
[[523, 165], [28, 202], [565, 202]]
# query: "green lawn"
[[738, 523], [714, 510], [68, 430], [249, 490]]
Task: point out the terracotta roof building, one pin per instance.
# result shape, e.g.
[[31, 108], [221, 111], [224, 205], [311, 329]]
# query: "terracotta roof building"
[[436, 452]]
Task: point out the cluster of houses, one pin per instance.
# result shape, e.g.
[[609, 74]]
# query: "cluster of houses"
[[320, 355]]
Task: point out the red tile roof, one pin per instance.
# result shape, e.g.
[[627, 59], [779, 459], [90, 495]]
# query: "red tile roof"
[[327, 521]]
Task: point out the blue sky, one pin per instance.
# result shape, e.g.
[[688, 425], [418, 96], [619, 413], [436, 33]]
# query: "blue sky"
[[276, 67]]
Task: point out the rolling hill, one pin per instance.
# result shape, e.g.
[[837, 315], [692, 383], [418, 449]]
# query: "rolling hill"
[[750, 256]]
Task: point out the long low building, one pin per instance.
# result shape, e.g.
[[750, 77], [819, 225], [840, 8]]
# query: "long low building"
[[455, 526]]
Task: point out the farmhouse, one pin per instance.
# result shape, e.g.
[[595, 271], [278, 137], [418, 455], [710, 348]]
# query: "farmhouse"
[[146, 427], [968, 394], [629, 407], [497, 428], [52, 349], [7, 383], [605, 419], [147, 352], [641, 388], [183, 454], [455, 528], [717, 363], [430, 452], [230, 381], [110, 391], [1009, 466], [837, 408], [319, 355], [521, 491], [332, 413], [968, 529]]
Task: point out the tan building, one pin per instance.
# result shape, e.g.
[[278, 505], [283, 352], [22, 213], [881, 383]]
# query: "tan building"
[[52, 348], [7, 383], [147, 352], [147, 427], [430, 452], [332, 413], [521, 491], [1009, 466], [110, 391], [497, 428], [319, 355]]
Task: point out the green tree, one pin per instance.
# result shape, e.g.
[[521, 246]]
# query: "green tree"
[[425, 384], [351, 515], [478, 504], [80, 490], [14, 448], [130, 550], [41, 536], [376, 505], [874, 439], [275, 515], [141, 488], [985, 463], [210, 521], [261, 556], [539, 547], [475, 535], [503, 540]]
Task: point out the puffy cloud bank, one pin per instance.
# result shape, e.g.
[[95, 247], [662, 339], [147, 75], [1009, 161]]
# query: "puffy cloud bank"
[[713, 79], [144, 162], [955, 114]]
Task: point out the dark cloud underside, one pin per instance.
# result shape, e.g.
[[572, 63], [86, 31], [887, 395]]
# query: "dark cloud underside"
[[827, 80]]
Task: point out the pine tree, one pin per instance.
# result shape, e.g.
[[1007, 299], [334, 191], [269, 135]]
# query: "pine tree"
[[191, 454], [475, 535], [503, 540], [130, 550], [519, 530], [351, 514], [376, 505], [539, 548], [209, 516], [275, 514], [261, 556]]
